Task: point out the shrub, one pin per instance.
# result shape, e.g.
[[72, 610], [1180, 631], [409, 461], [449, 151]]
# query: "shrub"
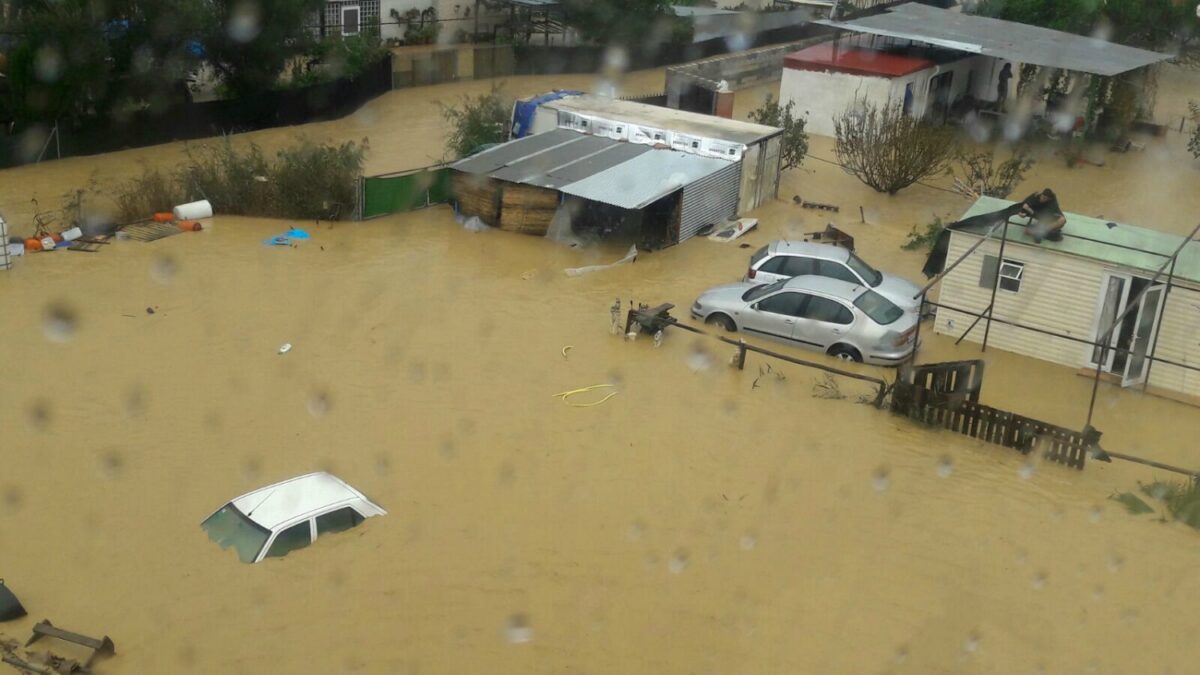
[[887, 149], [476, 121], [304, 180], [794, 144], [980, 172], [923, 239]]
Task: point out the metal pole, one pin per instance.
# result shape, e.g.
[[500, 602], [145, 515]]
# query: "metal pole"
[[1158, 328], [917, 336], [987, 327], [961, 258]]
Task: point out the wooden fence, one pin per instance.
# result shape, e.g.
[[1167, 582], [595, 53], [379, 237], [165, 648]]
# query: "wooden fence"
[[947, 395]]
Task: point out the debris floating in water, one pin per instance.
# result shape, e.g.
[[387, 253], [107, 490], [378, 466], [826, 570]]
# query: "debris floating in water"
[[285, 348]]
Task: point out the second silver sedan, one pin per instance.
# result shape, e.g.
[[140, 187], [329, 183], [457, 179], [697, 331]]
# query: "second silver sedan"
[[842, 319]]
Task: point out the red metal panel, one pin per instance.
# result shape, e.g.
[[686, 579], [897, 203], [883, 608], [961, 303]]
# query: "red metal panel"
[[824, 57]]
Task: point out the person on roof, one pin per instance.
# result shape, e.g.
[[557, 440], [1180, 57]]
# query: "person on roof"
[[1002, 85], [1046, 219]]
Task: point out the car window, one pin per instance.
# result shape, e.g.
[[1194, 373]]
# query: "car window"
[[829, 311], [758, 255], [342, 519], [836, 270], [872, 276], [760, 291], [296, 536], [798, 265], [230, 527], [787, 304], [881, 310], [774, 265]]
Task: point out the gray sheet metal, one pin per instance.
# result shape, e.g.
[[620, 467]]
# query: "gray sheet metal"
[[1002, 39], [508, 153]]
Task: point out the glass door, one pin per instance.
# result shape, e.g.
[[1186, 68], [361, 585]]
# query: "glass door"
[[1116, 293], [1143, 336]]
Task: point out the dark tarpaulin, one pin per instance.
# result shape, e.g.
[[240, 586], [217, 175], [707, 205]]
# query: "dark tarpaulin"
[[10, 607], [936, 261]]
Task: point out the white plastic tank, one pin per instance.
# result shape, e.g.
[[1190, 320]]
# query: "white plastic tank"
[[193, 210]]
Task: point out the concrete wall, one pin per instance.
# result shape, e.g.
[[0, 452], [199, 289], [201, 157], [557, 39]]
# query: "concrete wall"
[[739, 70], [454, 15]]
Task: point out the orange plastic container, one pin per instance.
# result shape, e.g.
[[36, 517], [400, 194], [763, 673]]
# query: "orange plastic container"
[[57, 237], [189, 226], [33, 244], [164, 217]]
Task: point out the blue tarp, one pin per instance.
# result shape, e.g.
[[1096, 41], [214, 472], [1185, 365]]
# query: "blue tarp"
[[524, 110]]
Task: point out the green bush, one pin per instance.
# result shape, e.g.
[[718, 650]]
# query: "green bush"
[[305, 180], [923, 239], [476, 121]]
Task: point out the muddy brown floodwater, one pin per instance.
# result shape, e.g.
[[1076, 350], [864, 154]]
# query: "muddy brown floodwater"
[[693, 523]]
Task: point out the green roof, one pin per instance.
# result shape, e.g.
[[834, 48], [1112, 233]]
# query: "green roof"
[[1093, 238]]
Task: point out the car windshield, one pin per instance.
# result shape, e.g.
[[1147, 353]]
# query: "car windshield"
[[758, 256], [759, 291], [230, 527], [869, 274], [880, 309]]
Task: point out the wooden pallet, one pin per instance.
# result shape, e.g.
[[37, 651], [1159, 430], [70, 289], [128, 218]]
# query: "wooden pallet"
[[89, 244], [150, 231]]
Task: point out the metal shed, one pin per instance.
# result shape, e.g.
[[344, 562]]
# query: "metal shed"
[[519, 185]]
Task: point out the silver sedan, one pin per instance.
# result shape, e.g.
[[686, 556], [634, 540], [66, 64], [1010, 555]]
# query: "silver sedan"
[[842, 319]]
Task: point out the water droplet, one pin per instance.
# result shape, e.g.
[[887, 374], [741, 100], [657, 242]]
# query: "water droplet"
[[881, 479], [318, 404], [1095, 513], [244, 22], [111, 464], [251, 468], [163, 269], [698, 359], [1039, 581], [59, 322], [518, 630], [1115, 561], [971, 644], [48, 64], [1025, 471], [1098, 592], [901, 654], [1022, 556], [748, 542], [636, 530], [945, 466], [678, 562], [13, 498]]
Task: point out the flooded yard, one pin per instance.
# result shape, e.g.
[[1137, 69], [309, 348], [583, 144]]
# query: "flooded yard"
[[696, 522]]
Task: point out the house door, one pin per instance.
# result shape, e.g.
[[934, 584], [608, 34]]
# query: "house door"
[[1144, 331], [939, 98]]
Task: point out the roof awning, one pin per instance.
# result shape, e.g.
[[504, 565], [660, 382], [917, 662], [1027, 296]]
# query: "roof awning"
[[1002, 39]]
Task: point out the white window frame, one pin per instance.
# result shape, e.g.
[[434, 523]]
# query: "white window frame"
[[1014, 273], [358, 12]]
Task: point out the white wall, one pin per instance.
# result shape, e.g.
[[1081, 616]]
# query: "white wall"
[[454, 15], [1058, 293], [822, 96]]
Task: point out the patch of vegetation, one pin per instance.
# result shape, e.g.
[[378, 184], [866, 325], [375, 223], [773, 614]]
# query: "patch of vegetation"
[[335, 58], [302, 181], [476, 121], [979, 171], [1180, 501], [923, 238], [888, 149], [828, 387], [794, 143]]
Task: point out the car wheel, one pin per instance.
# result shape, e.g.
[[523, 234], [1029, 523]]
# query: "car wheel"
[[722, 321], [845, 353]]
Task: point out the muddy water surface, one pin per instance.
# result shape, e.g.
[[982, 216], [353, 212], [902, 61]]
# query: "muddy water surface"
[[703, 520]]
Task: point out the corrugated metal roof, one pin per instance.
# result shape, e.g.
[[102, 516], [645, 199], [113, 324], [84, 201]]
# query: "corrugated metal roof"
[[1093, 238], [507, 153], [645, 178], [1002, 39], [533, 170]]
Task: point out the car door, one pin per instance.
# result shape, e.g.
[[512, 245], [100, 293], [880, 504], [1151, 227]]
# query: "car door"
[[775, 315], [823, 323]]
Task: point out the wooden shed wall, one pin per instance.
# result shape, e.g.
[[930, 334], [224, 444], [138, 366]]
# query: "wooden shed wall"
[[477, 196], [527, 209]]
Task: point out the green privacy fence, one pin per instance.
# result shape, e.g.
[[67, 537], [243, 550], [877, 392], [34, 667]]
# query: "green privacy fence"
[[395, 193]]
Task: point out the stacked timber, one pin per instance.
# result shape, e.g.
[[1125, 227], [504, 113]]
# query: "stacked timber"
[[477, 196], [527, 209]]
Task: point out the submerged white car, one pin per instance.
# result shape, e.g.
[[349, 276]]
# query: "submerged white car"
[[280, 518]]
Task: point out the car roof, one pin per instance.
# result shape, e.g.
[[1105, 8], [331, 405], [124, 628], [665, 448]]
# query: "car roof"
[[810, 249], [826, 285], [287, 500]]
